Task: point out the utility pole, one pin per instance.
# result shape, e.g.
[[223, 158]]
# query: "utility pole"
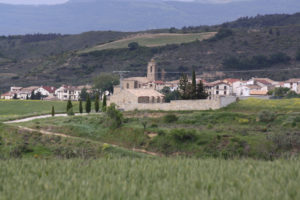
[[121, 74]]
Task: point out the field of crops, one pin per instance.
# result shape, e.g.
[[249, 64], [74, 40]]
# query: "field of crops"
[[13, 109], [152, 40], [149, 179]]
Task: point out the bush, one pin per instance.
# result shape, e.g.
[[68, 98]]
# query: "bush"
[[243, 121], [266, 116], [181, 135], [115, 117], [169, 118], [70, 112]]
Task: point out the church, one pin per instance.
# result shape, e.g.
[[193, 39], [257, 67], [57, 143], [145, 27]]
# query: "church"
[[139, 90]]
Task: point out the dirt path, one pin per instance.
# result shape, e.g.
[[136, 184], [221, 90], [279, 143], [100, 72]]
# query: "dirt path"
[[27, 119], [43, 132]]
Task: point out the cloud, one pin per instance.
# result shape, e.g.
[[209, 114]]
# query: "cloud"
[[34, 2]]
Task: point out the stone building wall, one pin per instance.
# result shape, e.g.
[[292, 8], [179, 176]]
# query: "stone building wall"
[[207, 104]]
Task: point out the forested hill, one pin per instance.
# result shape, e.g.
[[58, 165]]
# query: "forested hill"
[[261, 21], [53, 59]]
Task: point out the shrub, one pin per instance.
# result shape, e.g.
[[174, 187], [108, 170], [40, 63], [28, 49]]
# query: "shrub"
[[169, 118], [181, 135], [115, 117], [266, 116], [70, 112]]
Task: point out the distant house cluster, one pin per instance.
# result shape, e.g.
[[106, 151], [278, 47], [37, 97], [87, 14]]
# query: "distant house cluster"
[[65, 92]]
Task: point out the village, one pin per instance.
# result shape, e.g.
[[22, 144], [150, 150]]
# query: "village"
[[146, 92]]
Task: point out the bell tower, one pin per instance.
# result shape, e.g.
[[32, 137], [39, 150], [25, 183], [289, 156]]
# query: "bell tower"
[[152, 71]]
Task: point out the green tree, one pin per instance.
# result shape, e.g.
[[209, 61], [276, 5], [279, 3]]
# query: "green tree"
[[194, 86], [115, 117], [104, 103], [106, 82], [133, 46], [53, 111], [185, 87], [80, 107], [97, 102], [88, 104], [170, 95], [201, 93], [69, 105], [83, 94]]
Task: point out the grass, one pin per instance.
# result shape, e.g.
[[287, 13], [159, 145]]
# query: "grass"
[[16, 143], [149, 179], [152, 40], [13, 109]]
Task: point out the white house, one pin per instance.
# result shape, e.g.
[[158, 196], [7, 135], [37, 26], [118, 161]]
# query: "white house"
[[46, 91], [218, 88], [68, 92], [293, 84]]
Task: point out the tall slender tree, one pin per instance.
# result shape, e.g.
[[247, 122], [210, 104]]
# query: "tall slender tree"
[[97, 102], [194, 86], [53, 111], [80, 107], [201, 93], [69, 105], [104, 103], [88, 104]]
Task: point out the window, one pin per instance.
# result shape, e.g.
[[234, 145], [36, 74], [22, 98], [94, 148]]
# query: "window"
[[217, 92], [127, 86], [135, 84], [225, 87], [151, 69], [217, 87], [225, 92]]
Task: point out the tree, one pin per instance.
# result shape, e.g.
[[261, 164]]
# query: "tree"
[[201, 93], [32, 96], [97, 102], [80, 107], [88, 104], [104, 103], [53, 111], [170, 95], [15, 96], [83, 94], [194, 86], [69, 105], [185, 87], [106, 82], [133, 46], [115, 117]]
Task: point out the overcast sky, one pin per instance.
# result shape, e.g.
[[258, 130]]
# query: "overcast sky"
[[33, 1], [36, 2]]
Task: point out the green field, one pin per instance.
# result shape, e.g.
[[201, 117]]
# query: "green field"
[[153, 40], [149, 179], [260, 129], [13, 109]]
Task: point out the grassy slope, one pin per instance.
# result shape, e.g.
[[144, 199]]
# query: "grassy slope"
[[149, 179], [17, 109], [229, 132], [16, 143], [152, 40]]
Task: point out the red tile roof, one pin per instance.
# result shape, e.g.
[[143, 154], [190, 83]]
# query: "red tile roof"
[[49, 89]]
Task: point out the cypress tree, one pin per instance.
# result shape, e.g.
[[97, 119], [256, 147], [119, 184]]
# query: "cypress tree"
[[194, 86], [88, 104], [69, 105], [53, 111], [97, 102], [80, 107], [201, 93], [104, 103]]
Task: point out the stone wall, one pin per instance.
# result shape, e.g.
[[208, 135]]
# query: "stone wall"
[[213, 104]]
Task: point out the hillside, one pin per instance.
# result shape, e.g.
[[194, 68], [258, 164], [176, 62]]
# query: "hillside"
[[78, 16], [75, 59], [152, 40]]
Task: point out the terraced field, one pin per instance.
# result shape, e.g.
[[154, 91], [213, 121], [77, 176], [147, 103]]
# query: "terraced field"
[[152, 40]]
